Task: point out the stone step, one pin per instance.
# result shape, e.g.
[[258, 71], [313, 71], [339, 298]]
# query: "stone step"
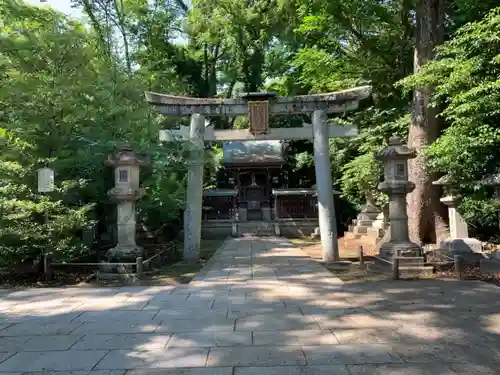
[[415, 271], [379, 224], [411, 261], [489, 266], [405, 271], [116, 268], [374, 232], [257, 229], [127, 278], [360, 230], [367, 216], [364, 223], [352, 236]]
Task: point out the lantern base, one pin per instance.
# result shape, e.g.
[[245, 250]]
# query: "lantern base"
[[401, 249], [127, 252]]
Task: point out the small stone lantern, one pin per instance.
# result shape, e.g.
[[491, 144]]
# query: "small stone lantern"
[[459, 242], [493, 180], [396, 185], [126, 192], [165, 135], [458, 226]]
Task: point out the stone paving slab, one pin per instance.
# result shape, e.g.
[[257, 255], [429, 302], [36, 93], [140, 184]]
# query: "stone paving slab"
[[404, 369], [32, 329], [139, 341], [116, 327], [244, 312], [38, 316], [114, 315], [158, 358], [293, 370], [92, 372], [67, 360], [475, 369], [295, 337], [184, 371], [46, 342], [367, 336], [210, 339], [351, 354], [195, 314], [277, 322], [216, 324], [5, 355], [260, 306], [256, 356], [191, 304]]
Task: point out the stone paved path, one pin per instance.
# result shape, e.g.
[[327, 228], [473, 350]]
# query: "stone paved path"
[[261, 307]]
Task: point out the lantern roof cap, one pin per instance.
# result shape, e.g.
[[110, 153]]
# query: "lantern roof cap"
[[126, 155], [492, 179], [443, 180], [396, 150]]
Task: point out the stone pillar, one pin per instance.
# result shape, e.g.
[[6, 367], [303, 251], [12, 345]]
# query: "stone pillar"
[[194, 193], [458, 226], [370, 210], [275, 208], [324, 186], [126, 192], [396, 185]]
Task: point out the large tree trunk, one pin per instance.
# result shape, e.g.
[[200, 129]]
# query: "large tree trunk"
[[425, 211]]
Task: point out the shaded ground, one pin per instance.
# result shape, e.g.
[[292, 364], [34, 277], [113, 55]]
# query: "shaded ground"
[[348, 248], [181, 273], [259, 307], [171, 273]]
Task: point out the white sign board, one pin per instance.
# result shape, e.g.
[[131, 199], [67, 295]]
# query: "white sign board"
[[45, 180]]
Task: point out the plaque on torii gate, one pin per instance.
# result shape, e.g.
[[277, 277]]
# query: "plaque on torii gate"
[[258, 106]]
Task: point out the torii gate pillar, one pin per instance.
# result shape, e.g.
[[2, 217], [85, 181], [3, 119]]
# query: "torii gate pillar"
[[324, 188], [194, 192]]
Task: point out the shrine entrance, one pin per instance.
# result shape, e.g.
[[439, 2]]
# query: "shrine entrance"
[[254, 193], [253, 168], [252, 196]]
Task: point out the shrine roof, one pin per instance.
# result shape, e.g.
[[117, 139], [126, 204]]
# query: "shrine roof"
[[298, 191], [253, 152], [220, 193]]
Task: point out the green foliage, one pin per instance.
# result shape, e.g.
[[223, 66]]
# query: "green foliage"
[[465, 76], [68, 105], [361, 176], [70, 94], [481, 213]]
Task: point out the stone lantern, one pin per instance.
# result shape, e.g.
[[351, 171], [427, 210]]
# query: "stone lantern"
[[459, 242], [396, 185], [126, 192]]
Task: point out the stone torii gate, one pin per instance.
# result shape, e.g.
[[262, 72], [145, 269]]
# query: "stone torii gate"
[[258, 106]]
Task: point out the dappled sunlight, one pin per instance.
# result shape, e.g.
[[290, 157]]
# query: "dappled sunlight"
[[261, 307]]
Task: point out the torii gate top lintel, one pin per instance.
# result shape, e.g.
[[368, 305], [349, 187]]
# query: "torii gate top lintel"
[[334, 102]]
